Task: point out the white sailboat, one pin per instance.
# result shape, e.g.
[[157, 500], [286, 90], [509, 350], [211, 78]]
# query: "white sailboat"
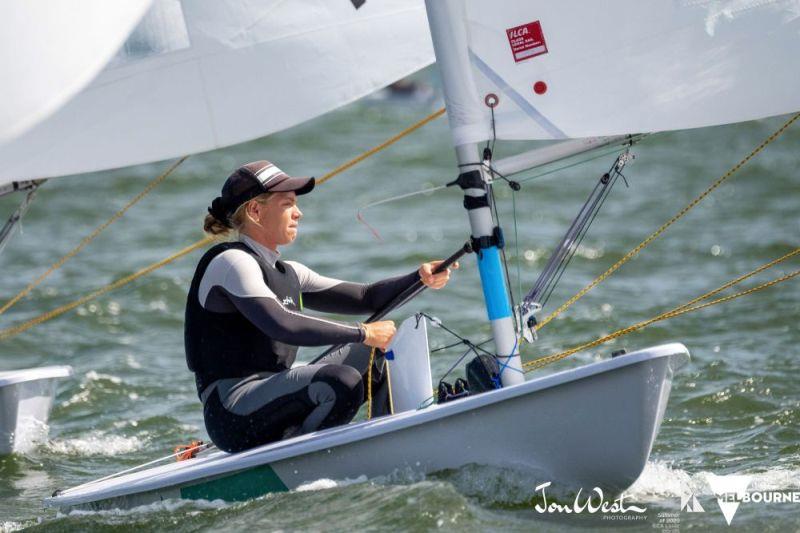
[[510, 70], [88, 34], [541, 426], [26, 397]]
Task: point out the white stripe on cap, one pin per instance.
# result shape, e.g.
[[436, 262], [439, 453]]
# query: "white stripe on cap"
[[268, 173]]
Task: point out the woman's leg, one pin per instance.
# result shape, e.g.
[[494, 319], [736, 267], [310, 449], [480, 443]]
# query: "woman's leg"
[[358, 356], [241, 414]]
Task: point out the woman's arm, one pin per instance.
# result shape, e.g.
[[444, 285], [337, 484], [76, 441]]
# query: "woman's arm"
[[234, 282], [291, 327], [332, 295]]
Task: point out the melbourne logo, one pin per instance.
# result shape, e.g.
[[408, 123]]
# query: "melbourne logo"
[[730, 492]]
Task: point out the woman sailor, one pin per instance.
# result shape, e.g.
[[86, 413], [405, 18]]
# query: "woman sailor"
[[245, 321]]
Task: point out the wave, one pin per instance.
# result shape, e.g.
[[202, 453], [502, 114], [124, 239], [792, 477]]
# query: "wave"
[[163, 506], [9, 526], [31, 433], [325, 484], [661, 480], [92, 383], [96, 443]]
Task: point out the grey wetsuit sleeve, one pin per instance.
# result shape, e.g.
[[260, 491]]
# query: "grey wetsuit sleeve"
[[291, 327], [233, 282], [336, 296]]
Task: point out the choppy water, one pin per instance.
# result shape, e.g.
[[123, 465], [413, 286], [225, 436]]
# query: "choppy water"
[[734, 409]]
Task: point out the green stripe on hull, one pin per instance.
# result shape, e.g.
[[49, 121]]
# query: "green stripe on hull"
[[245, 485]]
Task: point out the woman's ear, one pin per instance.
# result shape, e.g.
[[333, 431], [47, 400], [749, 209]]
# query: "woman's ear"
[[252, 210]]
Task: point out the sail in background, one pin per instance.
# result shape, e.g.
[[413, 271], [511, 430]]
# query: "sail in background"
[[202, 74], [580, 69], [51, 49]]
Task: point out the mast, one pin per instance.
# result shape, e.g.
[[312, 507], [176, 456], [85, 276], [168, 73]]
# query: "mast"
[[450, 46]]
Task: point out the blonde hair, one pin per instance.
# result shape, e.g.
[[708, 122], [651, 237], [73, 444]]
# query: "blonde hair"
[[214, 226]]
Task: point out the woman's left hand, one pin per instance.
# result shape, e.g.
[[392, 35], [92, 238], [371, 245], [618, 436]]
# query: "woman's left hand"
[[435, 281]]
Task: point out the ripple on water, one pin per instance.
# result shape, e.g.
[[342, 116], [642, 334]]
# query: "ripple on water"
[[9, 525], [96, 443]]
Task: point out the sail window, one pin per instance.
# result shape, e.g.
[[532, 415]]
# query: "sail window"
[[161, 30]]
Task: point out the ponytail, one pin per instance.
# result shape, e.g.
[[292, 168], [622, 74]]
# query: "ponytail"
[[217, 222], [213, 226]]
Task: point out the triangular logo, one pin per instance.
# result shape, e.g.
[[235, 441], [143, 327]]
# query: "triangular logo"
[[690, 504], [696, 507], [725, 487]]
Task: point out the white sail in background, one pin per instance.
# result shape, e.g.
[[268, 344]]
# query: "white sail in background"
[[202, 74], [578, 69], [50, 50]]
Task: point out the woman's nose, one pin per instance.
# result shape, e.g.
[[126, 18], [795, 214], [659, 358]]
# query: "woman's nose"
[[297, 213]]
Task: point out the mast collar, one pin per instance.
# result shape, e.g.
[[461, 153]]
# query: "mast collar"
[[487, 241], [472, 179]]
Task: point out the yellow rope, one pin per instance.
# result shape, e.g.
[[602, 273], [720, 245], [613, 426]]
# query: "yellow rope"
[[384, 144], [667, 224], [677, 311], [15, 330], [10, 332], [740, 278], [369, 383], [89, 238], [538, 363]]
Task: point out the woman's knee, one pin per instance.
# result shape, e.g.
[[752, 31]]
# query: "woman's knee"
[[345, 385], [344, 380]]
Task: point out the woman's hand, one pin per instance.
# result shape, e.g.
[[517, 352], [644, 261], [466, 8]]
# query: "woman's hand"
[[435, 281], [379, 334]]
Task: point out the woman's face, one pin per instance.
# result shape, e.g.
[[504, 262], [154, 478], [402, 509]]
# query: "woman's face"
[[277, 219]]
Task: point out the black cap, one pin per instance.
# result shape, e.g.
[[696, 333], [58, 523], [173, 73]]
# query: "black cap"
[[250, 180]]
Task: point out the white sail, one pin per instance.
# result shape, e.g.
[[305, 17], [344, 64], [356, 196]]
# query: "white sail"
[[202, 74], [50, 50], [580, 69]]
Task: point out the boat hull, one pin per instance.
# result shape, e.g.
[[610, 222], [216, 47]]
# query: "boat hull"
[[593, 426], [26, 397]]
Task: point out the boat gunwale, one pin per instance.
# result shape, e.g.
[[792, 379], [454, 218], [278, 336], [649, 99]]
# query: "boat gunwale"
[[221, 463], [24, 375]]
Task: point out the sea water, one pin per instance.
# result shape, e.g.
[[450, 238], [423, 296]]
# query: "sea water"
[[734, 409]]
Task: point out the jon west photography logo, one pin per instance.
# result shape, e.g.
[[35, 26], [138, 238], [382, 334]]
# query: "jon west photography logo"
[[592, 502]]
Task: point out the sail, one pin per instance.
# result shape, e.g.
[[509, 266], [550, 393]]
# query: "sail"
[[202, 74], [579, 69], [50, 49]]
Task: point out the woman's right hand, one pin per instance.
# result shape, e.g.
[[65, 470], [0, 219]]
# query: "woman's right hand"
[[379, 334]]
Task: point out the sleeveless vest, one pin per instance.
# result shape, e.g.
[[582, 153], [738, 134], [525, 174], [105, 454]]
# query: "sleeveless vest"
[[227, 345]]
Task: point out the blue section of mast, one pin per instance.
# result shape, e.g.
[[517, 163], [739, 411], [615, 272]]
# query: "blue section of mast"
[[493, 283]]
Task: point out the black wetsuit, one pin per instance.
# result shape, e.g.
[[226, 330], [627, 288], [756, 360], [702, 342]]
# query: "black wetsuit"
[[244, 322]]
